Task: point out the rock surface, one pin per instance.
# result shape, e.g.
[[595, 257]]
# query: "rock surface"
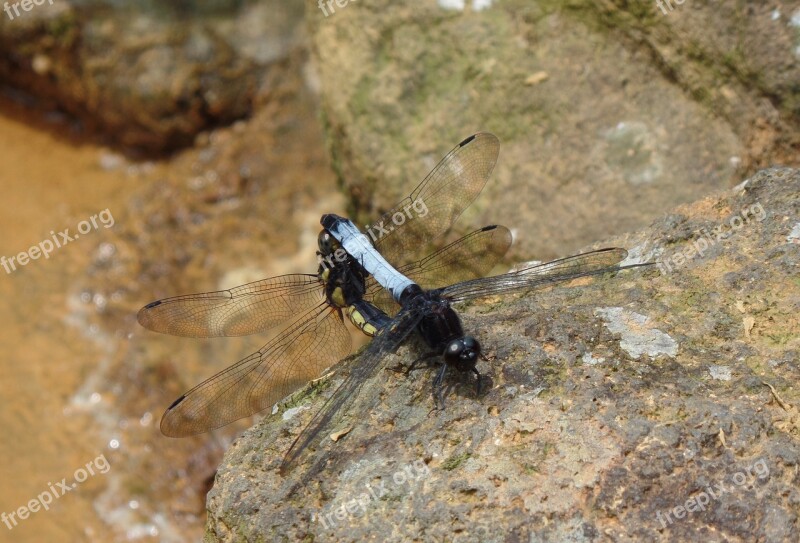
[[657, 405], [609, 111], [148, 76]]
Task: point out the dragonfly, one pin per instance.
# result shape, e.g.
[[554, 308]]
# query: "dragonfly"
[[430, 311], [316, 336]]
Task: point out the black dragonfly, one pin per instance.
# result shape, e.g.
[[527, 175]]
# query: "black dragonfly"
[[316, 336], [429, 311]]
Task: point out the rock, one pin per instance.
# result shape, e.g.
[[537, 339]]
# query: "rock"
[[646, 445], [636, 338], [609, 112], [151, 76], [723, 373]]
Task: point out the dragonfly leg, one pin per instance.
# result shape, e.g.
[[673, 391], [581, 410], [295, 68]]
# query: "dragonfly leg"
[[437, 386], [478, 381]]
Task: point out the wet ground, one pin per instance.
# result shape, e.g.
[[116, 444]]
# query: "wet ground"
[[50, 184]]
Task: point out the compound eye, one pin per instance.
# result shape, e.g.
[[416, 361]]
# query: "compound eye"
[[452, 354], [470, 351], [325, 242], [471, 344]]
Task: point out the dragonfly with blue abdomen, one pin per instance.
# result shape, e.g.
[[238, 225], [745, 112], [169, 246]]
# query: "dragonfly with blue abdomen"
[[313, 304], [430, 312]]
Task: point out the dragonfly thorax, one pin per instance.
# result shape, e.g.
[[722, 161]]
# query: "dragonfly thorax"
[[343, 277], [440, 325]]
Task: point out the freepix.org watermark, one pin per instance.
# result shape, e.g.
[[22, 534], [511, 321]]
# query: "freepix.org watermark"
[[56, 241], [417, 207], [660, 4], [26, 5], [706, 239], [401, 479], [699, 500], [330, 3], [55, 491]]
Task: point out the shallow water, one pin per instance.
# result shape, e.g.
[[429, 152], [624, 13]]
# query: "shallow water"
[[48, 184]]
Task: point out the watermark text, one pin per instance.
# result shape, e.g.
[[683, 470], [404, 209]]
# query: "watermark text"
[[55, 491], [410, 473], [660, 4], [26, 5], [56, 241], [330, 5], [379, 230], [699, 500], [706, 239]]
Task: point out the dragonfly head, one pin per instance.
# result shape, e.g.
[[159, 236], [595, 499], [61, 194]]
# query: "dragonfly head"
[[463, 353], [327, 243]]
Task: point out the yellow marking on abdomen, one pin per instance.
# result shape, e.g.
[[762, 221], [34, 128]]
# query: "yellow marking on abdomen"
[[360, 322], [338, 297]]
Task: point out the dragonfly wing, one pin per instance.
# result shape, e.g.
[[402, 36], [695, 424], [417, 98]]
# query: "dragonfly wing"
[[438, 200], [564, 269], [312, 343], [470, 257], [239, 311], [385, 342]]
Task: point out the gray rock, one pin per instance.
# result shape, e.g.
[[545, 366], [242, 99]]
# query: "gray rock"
[[649, 448], [723, 373], [637, 337], [609, 112]]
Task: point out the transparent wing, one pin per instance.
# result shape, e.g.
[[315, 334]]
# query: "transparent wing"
[[312, 343], [240, 311], [564, 269], [438, 200], [385, 342], [470, 257]]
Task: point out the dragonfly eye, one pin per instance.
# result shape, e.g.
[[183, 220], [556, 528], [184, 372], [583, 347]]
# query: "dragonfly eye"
[[463, 353], [471, 347], [327, 243]]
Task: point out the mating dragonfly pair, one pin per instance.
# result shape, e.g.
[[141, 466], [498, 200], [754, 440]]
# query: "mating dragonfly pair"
[[381, 287]]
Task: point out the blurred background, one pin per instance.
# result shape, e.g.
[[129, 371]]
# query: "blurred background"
[[215, 133]]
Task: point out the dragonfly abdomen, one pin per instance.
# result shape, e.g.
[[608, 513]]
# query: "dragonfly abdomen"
[[367, 317]]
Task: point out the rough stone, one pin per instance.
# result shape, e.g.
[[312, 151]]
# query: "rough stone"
[[645, 446], [609, 112]]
